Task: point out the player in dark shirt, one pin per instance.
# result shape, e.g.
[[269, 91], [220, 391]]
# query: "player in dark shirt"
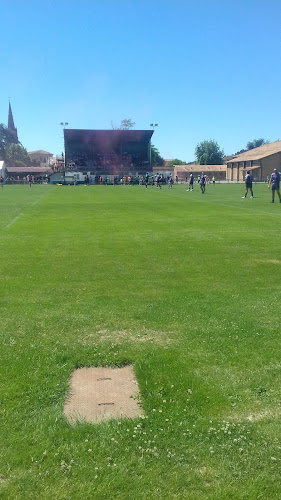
[[170, 181], [146, 179], [248, 185], [203, 183], [159, 180], [191, 182], [275, 184]]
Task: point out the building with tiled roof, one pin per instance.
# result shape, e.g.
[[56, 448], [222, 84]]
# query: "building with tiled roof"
[[40, 158], [183, 171], [260, 162]]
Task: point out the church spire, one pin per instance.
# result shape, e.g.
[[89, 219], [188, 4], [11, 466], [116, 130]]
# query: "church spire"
[[11, 125]]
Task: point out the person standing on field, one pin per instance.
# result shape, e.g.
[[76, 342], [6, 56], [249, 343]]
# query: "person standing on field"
[[159, 180], [191, 182], [275, 184], [203, 183], [146, 179], [248, 184]]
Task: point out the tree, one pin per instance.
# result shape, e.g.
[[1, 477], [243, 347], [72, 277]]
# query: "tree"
[[16, 156], [240, 152], [175, 162], [256, 143], [7, 137], [156, 158], [209, 153], [125, 124]]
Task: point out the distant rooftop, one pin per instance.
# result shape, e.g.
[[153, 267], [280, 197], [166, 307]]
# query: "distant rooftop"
[[40, 152], [195, 167], [258, 153], [28, 170]]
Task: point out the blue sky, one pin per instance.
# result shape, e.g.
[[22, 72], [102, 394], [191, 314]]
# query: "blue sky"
[[200, 69]]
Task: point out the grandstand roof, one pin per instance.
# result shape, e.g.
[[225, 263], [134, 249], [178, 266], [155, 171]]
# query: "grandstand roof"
[[258, 153], [104, 137]]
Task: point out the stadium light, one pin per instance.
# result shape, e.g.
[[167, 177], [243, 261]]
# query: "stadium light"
[[63, 124]]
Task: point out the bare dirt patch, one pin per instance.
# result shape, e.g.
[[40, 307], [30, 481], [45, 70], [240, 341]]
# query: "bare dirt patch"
[[141, 336], [101, 393]]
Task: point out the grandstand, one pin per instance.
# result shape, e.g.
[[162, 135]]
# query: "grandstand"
[[108, 152]]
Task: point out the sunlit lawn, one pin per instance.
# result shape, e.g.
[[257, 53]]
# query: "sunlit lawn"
[[187, 289]]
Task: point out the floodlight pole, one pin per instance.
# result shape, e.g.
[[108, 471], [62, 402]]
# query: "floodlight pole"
[[63, 124], [153, 125]]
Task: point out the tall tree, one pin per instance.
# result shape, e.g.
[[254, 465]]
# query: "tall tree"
[[156, 158], [256, 143], [176, 161], [125, 124], [7, 137], [16, 156], [209, 153]]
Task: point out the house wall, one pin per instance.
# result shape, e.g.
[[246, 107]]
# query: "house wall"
[[269, 164], [228, 173], [39, 159], [3, 170], [255, 172], [182, 174], [236, 172], [259, 168], [232, 172]]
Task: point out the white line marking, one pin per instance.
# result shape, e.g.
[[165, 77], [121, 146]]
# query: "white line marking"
[[18, 216], [14, 220]]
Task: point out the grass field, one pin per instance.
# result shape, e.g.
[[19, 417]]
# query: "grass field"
[[183, 286]]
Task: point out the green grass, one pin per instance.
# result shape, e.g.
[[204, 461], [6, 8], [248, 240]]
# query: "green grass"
[[183, 286]]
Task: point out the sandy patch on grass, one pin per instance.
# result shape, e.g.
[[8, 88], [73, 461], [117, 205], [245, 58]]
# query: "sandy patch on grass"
[[140, 336], [255, 416], [268, 261], [101, 393], [266, 414]]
